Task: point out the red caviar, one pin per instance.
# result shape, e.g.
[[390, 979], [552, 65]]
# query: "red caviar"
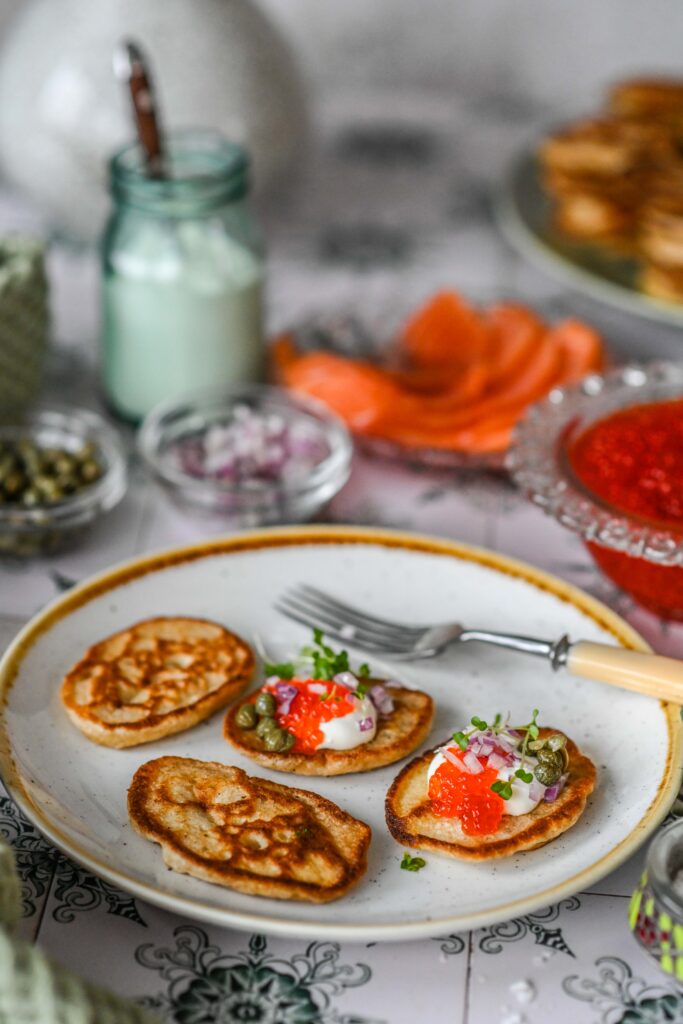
[[460, 794], [633, 460], [317, 701]]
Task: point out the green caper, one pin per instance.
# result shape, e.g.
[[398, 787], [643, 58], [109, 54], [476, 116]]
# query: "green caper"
[[14, 483], [546, 755], [276, 739], [90, 471], [265, 725], [246, 717], [8, 465], [266, 704], [290, 740], [557, 741], [30, 497], [547, 774], [65, 465], [87, 452]]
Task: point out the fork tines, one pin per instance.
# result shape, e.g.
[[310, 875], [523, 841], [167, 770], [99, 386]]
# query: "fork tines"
[[312, 607]]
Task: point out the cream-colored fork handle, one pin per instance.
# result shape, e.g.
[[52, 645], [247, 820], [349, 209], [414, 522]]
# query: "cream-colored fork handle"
[[650, 674]]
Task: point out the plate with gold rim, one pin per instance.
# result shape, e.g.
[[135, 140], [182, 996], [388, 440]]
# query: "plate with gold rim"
[[75, 791]]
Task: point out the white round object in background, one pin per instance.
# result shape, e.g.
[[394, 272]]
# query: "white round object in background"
[[217, 64]]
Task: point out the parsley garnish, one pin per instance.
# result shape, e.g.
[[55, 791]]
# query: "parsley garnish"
[[285, 670], [325, 663], [412, 863]]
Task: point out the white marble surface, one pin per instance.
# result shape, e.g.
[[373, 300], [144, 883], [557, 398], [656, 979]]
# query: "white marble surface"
[[381, 217]]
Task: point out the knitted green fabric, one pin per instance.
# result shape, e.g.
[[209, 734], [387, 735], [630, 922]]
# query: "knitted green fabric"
[[24, 320], [34, 990]]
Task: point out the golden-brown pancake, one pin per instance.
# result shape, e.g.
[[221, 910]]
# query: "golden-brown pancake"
[[157, 677], [594, 218], [398, 734], [605, 147], [662, 283], [217, 823], [411, 821], [656, 97]]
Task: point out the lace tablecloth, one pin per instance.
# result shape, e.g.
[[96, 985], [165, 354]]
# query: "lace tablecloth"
[[387, 209]]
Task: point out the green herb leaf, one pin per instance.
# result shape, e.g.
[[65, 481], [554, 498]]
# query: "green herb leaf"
[[326, 662], [497, 721], [364, 670], [285, 670], [412, 863], [461, 740], [503, 789], [479, 723], [362, 688], [524, 776]]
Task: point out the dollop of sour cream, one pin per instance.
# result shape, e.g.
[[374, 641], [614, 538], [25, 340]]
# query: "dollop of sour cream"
[[345, 733], [520, 802]]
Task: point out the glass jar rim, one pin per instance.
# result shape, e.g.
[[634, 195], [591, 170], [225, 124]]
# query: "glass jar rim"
[[663, 862], [207, 170]]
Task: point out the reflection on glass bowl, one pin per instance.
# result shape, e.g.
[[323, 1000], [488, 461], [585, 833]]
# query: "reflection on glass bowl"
[[642, 556]]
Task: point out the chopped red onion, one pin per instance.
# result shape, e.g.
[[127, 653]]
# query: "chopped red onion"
[[346, 679], [472, 763], [272, 680], [552, 792], [382, 700], [285, 694], [517, 733], [450, 756], [366, 724], [497, 761], [253, 446], [536, 790]]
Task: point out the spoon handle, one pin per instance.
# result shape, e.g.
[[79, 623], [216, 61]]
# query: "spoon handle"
[[131, 66], [650, 674]]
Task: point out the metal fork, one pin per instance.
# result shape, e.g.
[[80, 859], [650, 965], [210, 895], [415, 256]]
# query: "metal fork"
[[645, 673]]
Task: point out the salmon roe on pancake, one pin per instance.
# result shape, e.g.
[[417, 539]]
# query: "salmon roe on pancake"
[[456, 793], [317, 701]]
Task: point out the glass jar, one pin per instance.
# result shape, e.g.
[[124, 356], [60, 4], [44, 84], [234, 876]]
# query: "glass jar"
[[183, 274], [656, 908]]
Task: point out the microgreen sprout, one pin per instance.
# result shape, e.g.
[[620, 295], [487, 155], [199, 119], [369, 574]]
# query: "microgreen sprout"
[[503, 789], [410, 863], [524, 776], [479, 723], [323, 662], [461, 739]]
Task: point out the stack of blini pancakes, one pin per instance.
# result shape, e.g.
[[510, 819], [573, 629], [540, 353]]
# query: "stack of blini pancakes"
[[617, 180]]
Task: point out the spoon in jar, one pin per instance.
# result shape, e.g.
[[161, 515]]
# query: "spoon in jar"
[[131, 67]]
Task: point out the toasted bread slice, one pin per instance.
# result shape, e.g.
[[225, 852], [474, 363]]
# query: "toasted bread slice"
[[398, 734], [157, 677], [219, 824], [412, 822]]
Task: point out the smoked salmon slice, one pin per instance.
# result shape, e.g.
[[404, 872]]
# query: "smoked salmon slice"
[[457, 378]]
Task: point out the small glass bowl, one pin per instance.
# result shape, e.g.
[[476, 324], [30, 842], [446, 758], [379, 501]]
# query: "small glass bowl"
[[656, 909], [643, 557], [43, 529], [250, 502]]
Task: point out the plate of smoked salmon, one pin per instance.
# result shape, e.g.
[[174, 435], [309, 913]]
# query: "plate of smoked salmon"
[[450, 384]]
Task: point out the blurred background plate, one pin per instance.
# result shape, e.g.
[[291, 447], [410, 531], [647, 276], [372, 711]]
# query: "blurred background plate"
[[525, 217]]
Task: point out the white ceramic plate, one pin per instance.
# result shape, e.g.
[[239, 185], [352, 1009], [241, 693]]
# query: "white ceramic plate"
[[525, 218], [75, 791]]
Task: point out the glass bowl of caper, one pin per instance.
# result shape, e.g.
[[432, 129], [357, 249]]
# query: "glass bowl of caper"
[[60, 470]]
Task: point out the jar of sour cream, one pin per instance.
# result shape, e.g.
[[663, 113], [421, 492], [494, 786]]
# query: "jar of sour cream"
[[183, 274]]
